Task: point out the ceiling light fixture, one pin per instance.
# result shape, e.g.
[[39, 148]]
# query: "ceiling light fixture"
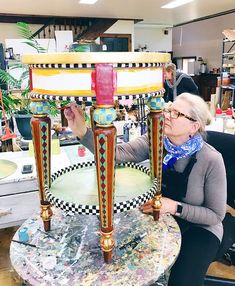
[[176, 3], [88, 1]]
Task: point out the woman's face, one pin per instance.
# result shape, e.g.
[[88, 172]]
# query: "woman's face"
[[178, 130], [168, 75]]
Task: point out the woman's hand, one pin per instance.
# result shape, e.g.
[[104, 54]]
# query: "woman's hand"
[[147, 207], [168, 206], [76, 121]]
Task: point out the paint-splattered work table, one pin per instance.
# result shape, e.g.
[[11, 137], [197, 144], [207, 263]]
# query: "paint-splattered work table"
[[70, 253]]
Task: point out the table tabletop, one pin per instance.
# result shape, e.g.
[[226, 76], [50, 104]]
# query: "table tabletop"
[[70, 253], [67, 156]]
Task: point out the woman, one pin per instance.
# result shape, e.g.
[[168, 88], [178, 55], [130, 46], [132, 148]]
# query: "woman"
[[177, 82], [194, 182]]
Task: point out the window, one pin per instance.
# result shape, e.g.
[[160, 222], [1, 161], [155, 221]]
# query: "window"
[[186, 64]]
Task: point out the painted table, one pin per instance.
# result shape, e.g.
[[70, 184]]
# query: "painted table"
[[70, 254], [100, 78]]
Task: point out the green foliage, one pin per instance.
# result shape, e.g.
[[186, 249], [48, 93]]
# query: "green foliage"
[[13, 82], [21, 105], [26, 33], [81, 48], [10, 104]]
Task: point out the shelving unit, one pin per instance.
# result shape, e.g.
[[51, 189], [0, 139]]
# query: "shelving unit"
[[228, 65], [207, 83]]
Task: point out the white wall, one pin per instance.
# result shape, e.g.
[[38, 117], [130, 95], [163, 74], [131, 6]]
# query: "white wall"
[[154, 38], [20, 48], [9, 31], [123, 27], [202, 39]]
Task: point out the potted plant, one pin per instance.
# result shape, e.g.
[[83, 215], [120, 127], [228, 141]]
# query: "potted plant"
[[16, 98], [15, 94], [9, 103], [26, 33]]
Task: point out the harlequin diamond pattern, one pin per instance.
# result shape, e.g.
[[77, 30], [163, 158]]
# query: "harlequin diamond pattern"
[[102, 148], [102, 141], [160, 144], [45, 151]]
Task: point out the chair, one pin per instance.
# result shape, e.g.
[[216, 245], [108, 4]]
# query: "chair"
[[225, 144]]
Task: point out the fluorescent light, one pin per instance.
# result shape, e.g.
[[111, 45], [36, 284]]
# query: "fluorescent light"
[[153, 25], [176, 3], [88, 1]]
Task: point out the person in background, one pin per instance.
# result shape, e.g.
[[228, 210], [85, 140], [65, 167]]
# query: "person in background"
[[194, 182], [176, 82]]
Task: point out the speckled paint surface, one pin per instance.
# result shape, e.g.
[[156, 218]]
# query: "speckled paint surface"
[[70, 253]]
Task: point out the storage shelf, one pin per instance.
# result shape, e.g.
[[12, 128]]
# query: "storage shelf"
[[227, 87], [228, 41], [228, 54]]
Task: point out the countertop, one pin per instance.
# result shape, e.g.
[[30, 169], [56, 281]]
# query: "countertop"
[[68, 156]]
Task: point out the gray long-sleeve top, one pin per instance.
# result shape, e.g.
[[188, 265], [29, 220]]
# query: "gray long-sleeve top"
[[205, 201]]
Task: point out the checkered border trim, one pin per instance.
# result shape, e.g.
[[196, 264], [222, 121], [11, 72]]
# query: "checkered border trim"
[[92, 98], [72, 208], [88, 66]]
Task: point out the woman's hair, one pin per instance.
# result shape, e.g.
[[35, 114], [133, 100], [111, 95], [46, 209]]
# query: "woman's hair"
[[171, 68], [199, 110]]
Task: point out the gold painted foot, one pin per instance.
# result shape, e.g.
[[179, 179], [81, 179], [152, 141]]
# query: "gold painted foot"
[[46, 214], [156, 206], [107, 244]]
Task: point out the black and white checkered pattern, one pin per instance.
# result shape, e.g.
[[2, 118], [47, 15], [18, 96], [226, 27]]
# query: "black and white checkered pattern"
[[93, 98], [72, 208], [92, 66]]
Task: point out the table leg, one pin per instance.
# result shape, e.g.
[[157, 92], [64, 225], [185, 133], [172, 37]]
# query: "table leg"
[[105, 142], [41, 131], [105, 167], [155, 133]]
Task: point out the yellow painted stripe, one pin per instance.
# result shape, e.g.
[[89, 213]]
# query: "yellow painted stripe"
[[95, 57], [141, 89], [54, 72], [65, 92]]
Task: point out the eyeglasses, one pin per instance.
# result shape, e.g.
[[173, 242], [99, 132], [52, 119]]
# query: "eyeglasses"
[[174, 114]]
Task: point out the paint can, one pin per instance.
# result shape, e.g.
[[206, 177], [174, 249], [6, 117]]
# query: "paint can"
[[23, 234]]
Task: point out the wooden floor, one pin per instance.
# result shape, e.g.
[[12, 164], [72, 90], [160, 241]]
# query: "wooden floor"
[[219, 269], [9, 278]]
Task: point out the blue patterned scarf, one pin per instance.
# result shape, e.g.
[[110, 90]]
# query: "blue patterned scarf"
[[175, 152]]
